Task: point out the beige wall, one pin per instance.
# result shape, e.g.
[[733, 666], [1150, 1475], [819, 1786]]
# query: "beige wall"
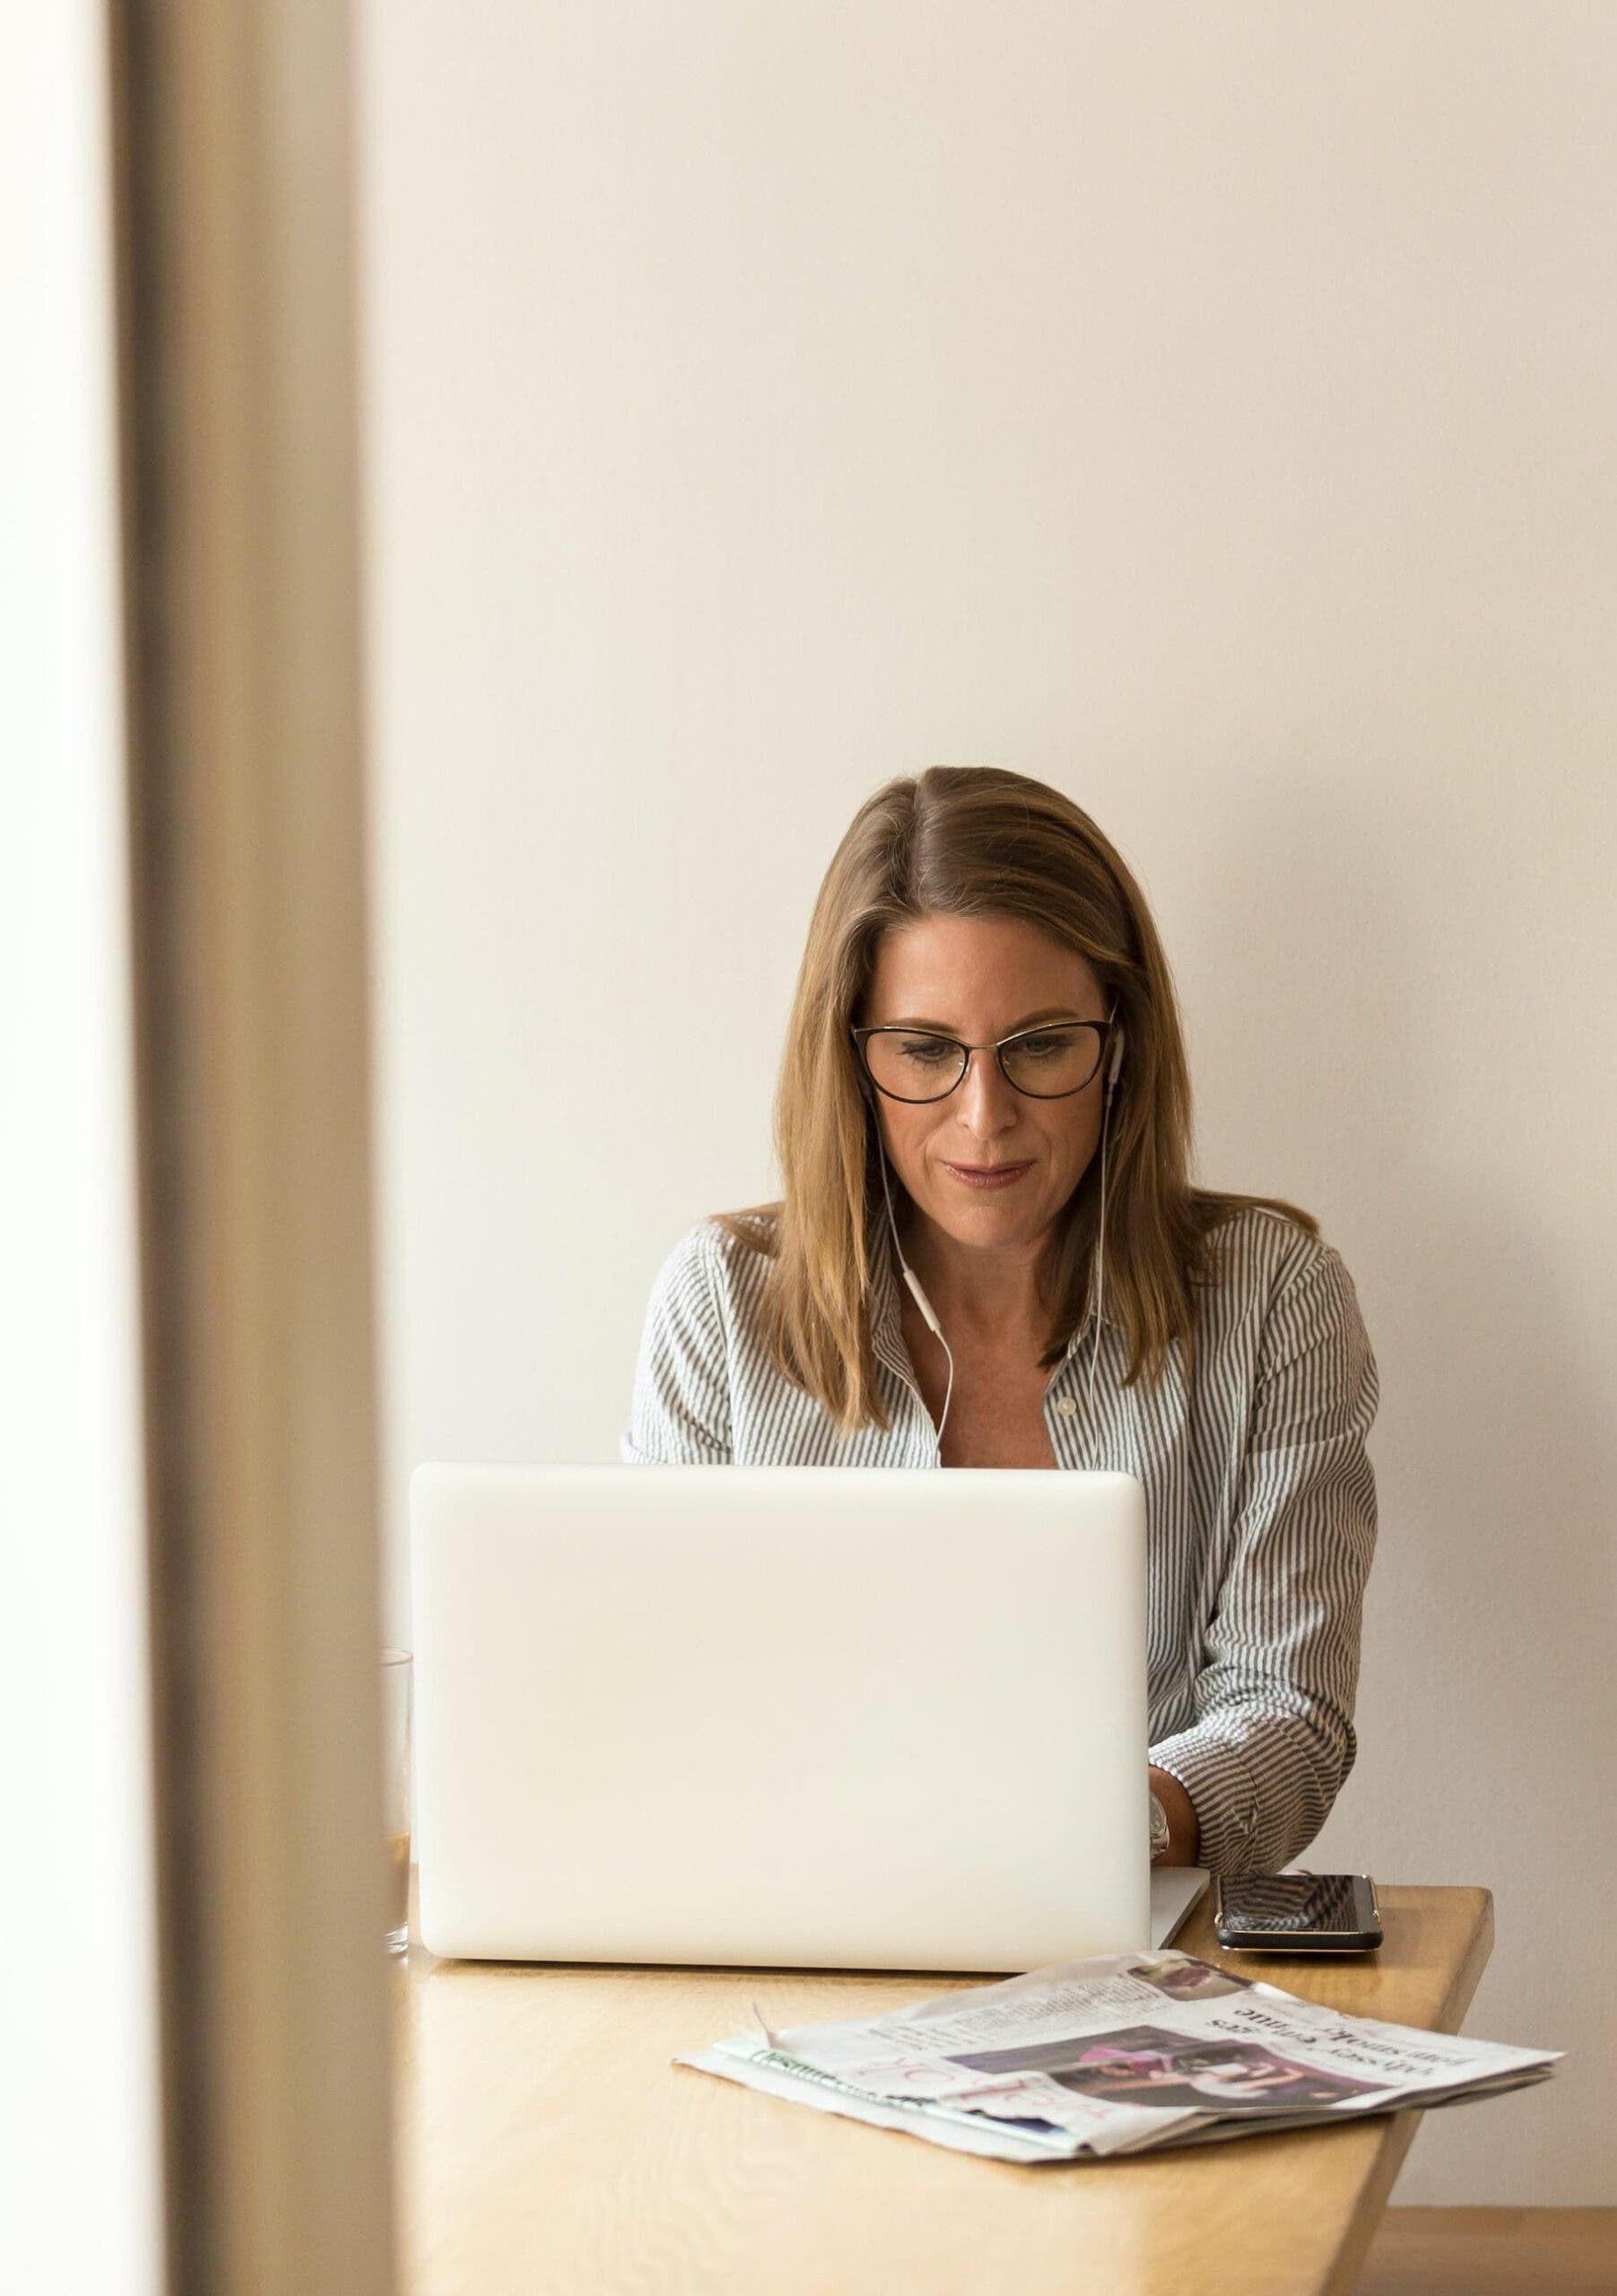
[[1206, 410]]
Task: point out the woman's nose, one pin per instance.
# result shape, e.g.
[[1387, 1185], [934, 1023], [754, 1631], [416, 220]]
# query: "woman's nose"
[[987, 1103]]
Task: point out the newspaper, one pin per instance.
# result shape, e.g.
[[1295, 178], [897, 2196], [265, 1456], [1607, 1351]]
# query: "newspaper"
[[1119, 2054]]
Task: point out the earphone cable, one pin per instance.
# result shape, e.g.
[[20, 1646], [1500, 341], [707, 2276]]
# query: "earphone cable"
[[931, 1320], [1100, 1256], [1098, 1286]]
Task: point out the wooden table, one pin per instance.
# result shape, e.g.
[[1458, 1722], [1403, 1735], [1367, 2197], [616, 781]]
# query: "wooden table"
[[546, 2144]]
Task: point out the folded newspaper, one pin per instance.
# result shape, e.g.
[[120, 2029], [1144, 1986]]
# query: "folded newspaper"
[[1119, 2054]]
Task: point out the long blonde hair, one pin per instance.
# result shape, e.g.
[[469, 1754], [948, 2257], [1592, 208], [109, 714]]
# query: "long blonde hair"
[[977, 841]]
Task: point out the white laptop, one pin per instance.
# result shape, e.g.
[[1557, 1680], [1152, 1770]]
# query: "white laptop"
[[825, 1717]]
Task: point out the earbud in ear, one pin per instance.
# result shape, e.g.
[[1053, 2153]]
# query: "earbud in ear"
[[1111, 1074]]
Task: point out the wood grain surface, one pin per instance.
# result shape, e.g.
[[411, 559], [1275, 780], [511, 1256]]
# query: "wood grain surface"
[[547, 2142], [1492, 2252]]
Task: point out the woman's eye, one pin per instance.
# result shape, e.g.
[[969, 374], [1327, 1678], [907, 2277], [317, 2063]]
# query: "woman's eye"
[[1042, 1048], [926, 1049]]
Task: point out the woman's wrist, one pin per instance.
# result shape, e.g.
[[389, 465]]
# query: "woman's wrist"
[[1183, 1829]]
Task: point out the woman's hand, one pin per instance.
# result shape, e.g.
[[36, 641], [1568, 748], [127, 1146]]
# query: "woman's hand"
[[1182, 1831]]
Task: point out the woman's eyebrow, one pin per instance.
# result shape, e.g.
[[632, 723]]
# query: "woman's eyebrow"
[[1027, 1020]]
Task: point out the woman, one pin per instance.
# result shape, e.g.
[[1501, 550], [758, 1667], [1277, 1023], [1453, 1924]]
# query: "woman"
[[985, 1082]]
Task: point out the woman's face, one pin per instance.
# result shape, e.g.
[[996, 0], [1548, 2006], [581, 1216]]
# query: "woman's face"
[[980, 978]]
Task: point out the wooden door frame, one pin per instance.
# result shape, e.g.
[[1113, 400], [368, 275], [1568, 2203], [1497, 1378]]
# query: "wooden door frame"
[[232, 137]]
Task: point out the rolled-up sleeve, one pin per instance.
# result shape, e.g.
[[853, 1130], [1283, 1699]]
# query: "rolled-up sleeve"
[[1273, 1739], [679, 1413]]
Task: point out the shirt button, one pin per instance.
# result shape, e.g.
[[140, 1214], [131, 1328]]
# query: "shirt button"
[[1067, 1406]]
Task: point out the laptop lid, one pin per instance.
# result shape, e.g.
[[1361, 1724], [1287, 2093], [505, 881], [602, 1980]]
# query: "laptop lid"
[[786, 1717]]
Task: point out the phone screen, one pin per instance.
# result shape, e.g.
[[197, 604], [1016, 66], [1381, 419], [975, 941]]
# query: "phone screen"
[[1337, 1904]]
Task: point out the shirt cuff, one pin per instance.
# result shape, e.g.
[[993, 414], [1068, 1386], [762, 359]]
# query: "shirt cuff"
[[1215, 1775]]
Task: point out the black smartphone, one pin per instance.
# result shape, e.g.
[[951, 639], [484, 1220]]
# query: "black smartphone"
[[1297, 1913]]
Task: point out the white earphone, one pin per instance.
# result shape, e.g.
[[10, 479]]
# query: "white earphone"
[[1111, 1079], [914, 1281]]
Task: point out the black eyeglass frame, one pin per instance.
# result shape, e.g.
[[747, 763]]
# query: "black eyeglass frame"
[[1103, 1030]]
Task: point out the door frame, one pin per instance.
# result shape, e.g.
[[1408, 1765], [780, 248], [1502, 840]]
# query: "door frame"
[[233, 157]]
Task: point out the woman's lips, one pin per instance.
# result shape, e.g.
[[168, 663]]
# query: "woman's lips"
[[988, 1175]]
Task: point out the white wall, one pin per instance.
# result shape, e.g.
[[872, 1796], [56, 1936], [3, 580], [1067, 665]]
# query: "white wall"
[[1208, 411], [80, 2189]]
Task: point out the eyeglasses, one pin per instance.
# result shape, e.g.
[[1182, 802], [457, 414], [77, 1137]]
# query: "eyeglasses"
[[1046, 1064]]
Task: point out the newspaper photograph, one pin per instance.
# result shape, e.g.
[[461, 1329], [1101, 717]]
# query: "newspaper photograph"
[[1113, 2054]]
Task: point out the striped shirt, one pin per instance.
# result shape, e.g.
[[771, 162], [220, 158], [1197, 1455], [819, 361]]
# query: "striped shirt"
[[1260, 1496]]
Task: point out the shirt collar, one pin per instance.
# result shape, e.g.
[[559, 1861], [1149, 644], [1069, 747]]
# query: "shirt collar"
[[886, 1336]]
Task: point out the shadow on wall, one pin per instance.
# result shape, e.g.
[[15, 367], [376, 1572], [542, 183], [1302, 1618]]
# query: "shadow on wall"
[[1486, 1708]]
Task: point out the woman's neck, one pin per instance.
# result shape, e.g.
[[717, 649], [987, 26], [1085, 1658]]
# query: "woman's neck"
[[975, 1290]]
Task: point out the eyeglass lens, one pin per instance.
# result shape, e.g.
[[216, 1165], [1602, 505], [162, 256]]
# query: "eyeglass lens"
[[1045, 1064]]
